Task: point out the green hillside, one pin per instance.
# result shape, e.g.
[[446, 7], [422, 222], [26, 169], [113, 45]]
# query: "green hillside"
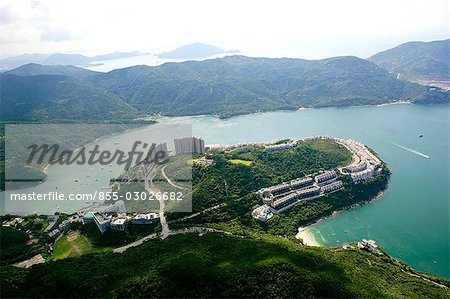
[[32, 69], [417, 60], [218, 266], [225, 86], [238, 85], [50, 97]]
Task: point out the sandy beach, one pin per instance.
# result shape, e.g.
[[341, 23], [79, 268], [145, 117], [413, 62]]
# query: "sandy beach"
[[306, 236]]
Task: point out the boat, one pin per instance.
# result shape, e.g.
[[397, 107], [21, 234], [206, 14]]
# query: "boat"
[[421, 135], [75, 180]]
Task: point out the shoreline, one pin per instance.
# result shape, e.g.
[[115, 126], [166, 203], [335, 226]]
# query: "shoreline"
[[304, 232], [307, 237], [302, 108]]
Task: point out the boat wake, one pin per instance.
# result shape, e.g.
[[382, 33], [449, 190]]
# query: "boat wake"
[[411, 150]]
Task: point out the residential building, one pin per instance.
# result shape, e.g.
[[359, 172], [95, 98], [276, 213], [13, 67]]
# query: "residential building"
[[325, 176], [301, 182], [294, 196], [103, 223], [363, 175], [119, 224], [262, 213], [332, 186], [189, 145], [281, 146], [88, 217], [370, 245], [64, 224], [145, 218], [54, 233]]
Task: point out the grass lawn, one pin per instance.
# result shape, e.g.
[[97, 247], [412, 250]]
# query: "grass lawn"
[[239, 161], [74, 244]]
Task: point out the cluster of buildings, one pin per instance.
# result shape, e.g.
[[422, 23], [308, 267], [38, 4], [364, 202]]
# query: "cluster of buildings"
[[279, 197], [105, 222], [61, 228], [273, 145], [369, 245], [282, 196], [365, 164], [281, 146], [115, 217]]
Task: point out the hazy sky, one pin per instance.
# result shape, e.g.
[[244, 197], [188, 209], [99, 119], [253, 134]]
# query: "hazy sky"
[[307, 29]]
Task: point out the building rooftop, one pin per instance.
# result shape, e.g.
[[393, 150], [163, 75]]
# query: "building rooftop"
[[119, 221]]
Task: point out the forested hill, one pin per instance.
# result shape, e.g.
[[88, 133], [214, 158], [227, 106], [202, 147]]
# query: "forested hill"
[[55, 97], [417, 60], [214, 266], [31, 69], [225, 86]]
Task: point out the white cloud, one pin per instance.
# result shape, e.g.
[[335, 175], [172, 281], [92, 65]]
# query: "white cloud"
[[56, 35], [308, 29]]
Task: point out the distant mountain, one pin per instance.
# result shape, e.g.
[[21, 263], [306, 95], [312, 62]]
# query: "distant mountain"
[[66, 59], [196, 50], [224, 86], [38, 69], [417, 60], [16, 61], [61, 59]]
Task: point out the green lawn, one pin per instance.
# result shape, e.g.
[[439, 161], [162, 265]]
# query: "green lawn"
[[74, 244], [239, 161]]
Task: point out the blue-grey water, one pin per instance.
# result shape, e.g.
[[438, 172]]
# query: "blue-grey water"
[[411, 221]]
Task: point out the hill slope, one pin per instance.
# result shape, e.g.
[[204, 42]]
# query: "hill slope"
[[32, 69], [226, 86], [219, 266], [417, 60], [50, 97], [238, 85]]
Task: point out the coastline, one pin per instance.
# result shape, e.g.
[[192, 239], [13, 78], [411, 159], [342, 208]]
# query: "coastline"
[[158, 118], [307, 236]]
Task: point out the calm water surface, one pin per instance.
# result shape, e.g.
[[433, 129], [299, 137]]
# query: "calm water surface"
[[411, 221]]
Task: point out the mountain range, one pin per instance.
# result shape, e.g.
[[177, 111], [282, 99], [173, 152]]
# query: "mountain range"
[[223, 86]]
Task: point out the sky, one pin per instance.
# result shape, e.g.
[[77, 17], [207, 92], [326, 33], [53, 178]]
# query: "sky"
[[305, 29]]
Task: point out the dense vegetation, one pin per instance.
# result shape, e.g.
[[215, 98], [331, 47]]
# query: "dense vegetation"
[[226, 86], [219, 266], [49, 97], [417, 60], [13, 245], [226, 180], [238, 197]]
